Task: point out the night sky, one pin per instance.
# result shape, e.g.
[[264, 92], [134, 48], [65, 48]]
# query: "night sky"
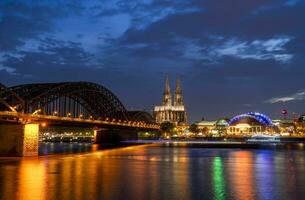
[[232, 56]]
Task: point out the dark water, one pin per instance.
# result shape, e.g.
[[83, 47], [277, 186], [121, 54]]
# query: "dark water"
[[65, 148], [155, 172]]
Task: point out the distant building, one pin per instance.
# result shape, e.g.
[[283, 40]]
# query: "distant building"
[[284, 126], [249, 124], [171, 112], [300, 125], [217, 128], [209, 125]]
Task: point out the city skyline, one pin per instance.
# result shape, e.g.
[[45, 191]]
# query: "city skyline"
[[232, 57]]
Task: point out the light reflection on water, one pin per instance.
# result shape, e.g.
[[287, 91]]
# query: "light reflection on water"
[[155, 172], [218, 178]]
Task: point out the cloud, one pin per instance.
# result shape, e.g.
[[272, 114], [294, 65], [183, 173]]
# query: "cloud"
[[8, 69], [21, 20], [94, 33], [258, 49], [294, 97], [144, 13], [50, 55], [220, 47], [292, 2], [229, 49]]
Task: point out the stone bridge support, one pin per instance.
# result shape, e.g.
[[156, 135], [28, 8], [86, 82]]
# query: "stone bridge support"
[[19, 139]]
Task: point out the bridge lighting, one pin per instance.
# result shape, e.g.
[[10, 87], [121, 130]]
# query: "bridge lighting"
[[36, 111]]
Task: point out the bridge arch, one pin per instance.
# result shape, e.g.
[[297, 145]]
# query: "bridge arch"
[[75, 97], [9, 100], [140, 116]]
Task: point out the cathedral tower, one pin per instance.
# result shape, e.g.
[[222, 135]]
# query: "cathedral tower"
[[167, 97], [178, 101], [168, 112]]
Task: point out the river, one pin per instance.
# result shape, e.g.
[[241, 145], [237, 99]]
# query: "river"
[[156, 171]]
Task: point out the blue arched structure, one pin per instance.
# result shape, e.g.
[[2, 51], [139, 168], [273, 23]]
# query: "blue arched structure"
[[259, 117]]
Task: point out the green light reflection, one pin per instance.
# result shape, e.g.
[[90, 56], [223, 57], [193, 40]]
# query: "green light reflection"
[[219, 184]]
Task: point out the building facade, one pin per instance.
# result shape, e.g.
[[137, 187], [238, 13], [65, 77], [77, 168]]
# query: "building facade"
[[249, 124], [300, 125], [169, 111]]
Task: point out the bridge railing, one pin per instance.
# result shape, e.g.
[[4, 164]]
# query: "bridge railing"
[[39, 117]]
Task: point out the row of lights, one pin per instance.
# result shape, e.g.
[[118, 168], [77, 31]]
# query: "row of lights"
[[44, 124], [108, 120]]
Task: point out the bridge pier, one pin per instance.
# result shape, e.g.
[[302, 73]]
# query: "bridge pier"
[[19, 139], [114, 136]]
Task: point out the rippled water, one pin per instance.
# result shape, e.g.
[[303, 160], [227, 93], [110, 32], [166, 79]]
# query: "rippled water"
[[155, 172]]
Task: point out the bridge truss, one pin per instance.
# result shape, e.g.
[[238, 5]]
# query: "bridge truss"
[[83, 100]]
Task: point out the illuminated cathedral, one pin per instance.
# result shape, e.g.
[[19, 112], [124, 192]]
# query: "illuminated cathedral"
[[171, 112]]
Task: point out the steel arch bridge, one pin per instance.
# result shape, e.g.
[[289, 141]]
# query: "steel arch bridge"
[[9, 98], [67, 99]]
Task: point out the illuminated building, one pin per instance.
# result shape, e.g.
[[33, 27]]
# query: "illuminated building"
[[300, 125], [208, 125], [216, 128], [249, 124], [284, 126], [221, 126], [176, 112]]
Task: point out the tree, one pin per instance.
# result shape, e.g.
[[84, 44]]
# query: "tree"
[[194, 128], [167, 127], [205, 130]]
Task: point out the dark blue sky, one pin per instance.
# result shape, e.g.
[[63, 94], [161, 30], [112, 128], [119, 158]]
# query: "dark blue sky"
[[233, 56]]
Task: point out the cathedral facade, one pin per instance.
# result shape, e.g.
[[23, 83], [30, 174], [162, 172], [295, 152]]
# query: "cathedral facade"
[[169, 111]]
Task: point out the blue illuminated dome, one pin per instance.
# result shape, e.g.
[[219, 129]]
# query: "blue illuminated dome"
[[222, 122], [251, 117]]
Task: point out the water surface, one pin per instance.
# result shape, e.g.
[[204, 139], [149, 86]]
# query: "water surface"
[[155, 172]]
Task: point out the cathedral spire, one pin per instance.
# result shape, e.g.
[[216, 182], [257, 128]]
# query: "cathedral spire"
[[178, 101], [167, 99]]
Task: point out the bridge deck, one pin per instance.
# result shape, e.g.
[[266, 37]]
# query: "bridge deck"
[[21, 117]]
